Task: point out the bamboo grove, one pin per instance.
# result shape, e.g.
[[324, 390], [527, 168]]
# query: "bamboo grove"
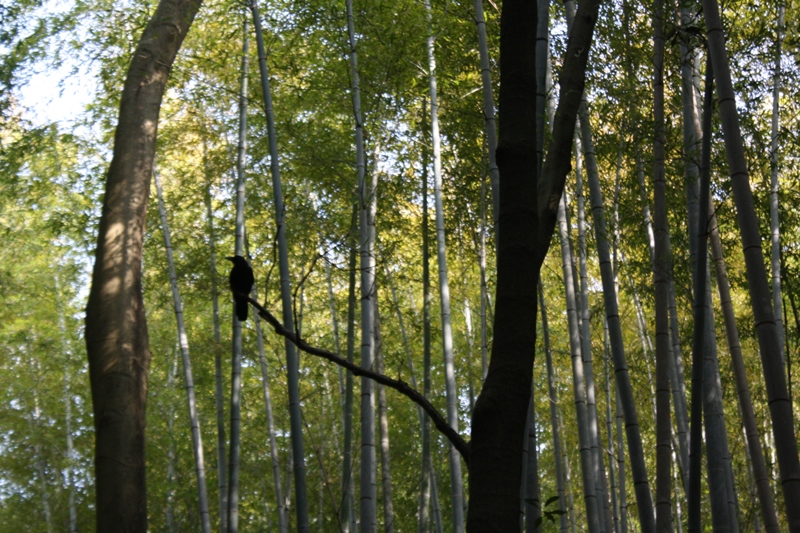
[[439, 339]]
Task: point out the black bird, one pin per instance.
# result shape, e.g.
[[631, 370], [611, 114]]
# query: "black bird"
[[241, 280]]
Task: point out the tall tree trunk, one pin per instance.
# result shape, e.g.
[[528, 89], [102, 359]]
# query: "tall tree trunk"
[[755, 452], [383, 427], [368, 480], [235, 413], [775, 249], [691, 134], [568, 484], [345, 502], [623, 495], [601, 486], [691, 127], [544, 80], [610, 431], [501, 410], [593, 518], [675, 364], [366, 199], [711, 394], [468, 324], [222, 473], [183, 342], [451, 392], [347, 521], [232, 497], [691, 153], [619, 458], [116, 330], [641, 484], [766, 327], [661, 269], [283, 515], [488, 112], [73, 509], [70, 452], [553, 397], [425, 423], [532, 502], [677, 484], [292, 359], [533, 513], [428, 489], [695, 453], [222, 483], [484, 288]]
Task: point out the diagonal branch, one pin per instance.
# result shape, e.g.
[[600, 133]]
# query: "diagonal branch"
[[397, 384]]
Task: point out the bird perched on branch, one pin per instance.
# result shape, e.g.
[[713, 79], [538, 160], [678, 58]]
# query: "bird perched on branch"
[[241, 281]]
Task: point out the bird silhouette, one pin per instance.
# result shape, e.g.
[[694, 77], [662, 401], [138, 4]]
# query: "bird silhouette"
[[241, 280]]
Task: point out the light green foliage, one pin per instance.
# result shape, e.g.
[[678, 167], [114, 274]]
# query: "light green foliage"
[[44, 220], [51, 178]]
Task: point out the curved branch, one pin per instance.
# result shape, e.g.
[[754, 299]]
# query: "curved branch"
[[397, 384]]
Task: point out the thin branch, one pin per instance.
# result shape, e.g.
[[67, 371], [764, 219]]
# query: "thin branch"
[[397, 384]]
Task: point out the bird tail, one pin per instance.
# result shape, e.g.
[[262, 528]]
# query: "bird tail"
[[241, 309]]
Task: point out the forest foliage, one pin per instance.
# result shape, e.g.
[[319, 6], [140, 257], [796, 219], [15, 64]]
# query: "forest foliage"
[[51, 179]]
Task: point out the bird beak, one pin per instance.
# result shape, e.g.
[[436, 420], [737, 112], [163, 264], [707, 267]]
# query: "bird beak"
[[230, 259]]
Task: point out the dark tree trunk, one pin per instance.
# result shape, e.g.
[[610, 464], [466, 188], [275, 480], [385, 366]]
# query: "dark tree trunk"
[[500, 412], [116, 330], [780, 406], [661, 269]]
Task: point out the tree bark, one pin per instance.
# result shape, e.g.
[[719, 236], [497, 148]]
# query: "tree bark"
[[766, 327], [222, 483], [383, 432], [610, 431], [691, 156], [488, 110], [428, 490], [347, 519], [183, 343], [231, 517], [451, 393], [553, 397], [533, 512], [116, 329], [775, 232], [368, 481], [292, 358], [601, 485], [639, 472], [501, 410], [755, 451], [425, 424], [498, 423], [661, 268], [484, 288], [593, 518], [283, 526]]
